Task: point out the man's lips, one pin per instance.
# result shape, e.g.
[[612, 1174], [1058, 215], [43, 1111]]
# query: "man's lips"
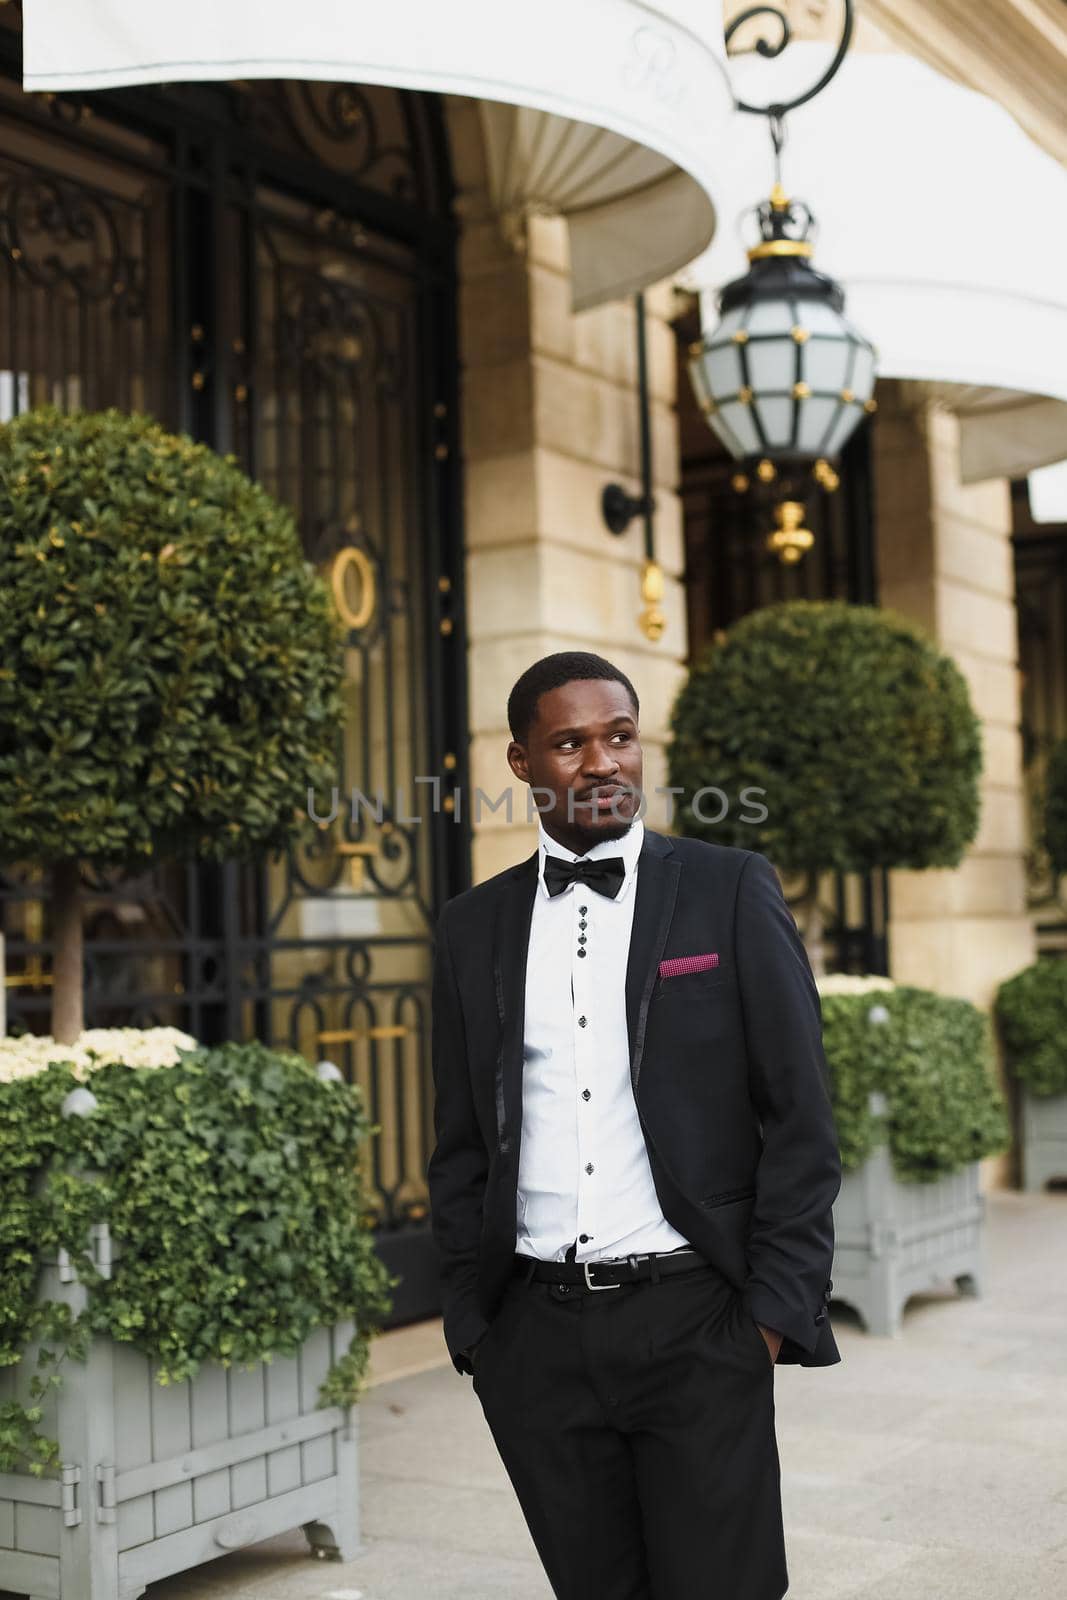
[[603, 795]]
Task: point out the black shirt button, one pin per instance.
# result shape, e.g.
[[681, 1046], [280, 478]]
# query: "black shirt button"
[[582, 939], [581, 952], [583, 1238], [582, 910], [589, 1167], [586, 1095], [583, 923], [582, 1021]]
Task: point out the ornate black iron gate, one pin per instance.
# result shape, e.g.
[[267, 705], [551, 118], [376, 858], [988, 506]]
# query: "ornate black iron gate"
[[729, 572], [270, 267]]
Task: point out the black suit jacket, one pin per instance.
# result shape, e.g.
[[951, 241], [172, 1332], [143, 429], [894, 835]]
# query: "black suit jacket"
[[728, 1074]]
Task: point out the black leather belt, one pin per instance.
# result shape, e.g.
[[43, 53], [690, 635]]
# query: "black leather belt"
[[611, 1273]]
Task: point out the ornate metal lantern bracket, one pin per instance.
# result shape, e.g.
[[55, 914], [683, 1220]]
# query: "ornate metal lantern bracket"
[[776, 110]]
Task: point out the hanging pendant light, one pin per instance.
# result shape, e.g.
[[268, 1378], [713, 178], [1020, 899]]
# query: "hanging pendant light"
[[782, 377]]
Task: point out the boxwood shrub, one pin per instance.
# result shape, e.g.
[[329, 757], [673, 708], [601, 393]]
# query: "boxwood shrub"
[[1031, 1012], [931, 1057], [232, 1186]]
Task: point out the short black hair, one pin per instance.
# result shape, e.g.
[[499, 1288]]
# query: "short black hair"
[[552, 672]]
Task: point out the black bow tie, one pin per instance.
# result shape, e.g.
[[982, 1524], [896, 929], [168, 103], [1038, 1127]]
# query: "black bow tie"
[[605, 875]]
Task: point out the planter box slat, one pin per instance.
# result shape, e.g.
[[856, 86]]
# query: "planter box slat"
[[189, 1470], [191, 1464], [33, 1575], [897, 1239], [171, 1437], [283, 1470], [1044, 1131], [211, 1491], [16, 1487]]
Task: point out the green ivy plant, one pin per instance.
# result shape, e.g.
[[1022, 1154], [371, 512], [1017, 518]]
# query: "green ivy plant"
[[856, 734], [931, 1057], [232, 1187], [170, 664], [1031, 1013]]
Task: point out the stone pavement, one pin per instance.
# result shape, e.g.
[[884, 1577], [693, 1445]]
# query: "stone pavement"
[[928, 1467]]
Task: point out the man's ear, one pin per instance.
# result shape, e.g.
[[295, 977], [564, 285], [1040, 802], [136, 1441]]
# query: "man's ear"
[[517, 761]]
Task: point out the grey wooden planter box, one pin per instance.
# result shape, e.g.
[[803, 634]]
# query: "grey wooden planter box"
[[156, 1480], [897, 1239], [1044, 1128]]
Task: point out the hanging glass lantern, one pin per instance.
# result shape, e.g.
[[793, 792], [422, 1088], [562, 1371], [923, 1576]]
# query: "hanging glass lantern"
[[784, 378]]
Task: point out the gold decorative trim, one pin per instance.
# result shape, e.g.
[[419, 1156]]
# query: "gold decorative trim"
[[801, 391], [744, 396], [740, 337], [353, 558], [652, 620], [847, 396], [780, 247], [766, 471], [800, 335]]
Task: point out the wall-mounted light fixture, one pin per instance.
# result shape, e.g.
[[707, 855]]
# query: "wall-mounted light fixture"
[[619, 508]]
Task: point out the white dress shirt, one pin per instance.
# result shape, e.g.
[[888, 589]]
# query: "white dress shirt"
[[583, 1167]]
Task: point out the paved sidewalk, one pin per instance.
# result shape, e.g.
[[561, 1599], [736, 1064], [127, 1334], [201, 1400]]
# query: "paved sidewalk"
[[929, 1467]]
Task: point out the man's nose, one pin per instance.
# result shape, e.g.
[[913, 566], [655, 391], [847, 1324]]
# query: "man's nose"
[[602, 763]]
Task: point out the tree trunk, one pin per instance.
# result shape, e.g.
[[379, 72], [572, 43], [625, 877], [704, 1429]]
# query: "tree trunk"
[[68, 1001], [813, 929]]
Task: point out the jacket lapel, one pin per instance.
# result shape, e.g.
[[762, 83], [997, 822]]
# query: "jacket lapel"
[[657, 889], [511, 942]]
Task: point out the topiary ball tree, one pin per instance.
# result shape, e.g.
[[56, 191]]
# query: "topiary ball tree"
[[856, 735], [169, 662], [1055, 818]]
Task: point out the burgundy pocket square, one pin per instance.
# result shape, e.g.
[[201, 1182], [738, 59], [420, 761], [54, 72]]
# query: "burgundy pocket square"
[[675, 965]]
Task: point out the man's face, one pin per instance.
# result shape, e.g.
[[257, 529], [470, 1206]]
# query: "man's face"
[[583, 745]]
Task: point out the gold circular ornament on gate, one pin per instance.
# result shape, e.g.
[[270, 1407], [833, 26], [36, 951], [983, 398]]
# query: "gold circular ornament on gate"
[[353, 559]]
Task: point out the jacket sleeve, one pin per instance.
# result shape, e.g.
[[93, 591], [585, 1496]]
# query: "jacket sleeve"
[[791, 1241], [459, 1165]]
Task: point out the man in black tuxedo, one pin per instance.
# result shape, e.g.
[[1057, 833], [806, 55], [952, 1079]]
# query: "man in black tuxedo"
[[635, 1167]]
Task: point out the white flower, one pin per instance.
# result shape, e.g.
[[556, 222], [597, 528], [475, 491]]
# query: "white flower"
[[96, 1047], [850, 983]]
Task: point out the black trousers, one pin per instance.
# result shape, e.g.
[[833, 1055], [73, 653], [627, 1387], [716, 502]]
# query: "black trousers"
[[637, 1428]]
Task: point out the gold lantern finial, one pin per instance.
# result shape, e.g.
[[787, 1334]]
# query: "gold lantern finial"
[[790, 540]]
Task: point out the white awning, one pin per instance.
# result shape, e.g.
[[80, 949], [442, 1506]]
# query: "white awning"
[[608, 112], [945, 225]]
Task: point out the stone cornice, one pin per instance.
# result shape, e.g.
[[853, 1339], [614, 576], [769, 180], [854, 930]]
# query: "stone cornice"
[[1015, 51]]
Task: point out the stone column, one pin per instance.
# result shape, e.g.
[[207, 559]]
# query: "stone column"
[[944, 559], [550, 416]]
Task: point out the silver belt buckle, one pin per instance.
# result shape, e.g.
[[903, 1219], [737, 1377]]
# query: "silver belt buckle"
[[589, 1282]]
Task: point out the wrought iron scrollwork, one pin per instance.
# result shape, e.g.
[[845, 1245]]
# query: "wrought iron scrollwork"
[[776, 110], [59, 233]]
